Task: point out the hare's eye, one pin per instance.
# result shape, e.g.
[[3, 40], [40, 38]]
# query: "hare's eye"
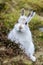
[[26, 23]]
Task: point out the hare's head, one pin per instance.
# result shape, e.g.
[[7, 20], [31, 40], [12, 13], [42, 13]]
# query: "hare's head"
[[23, 18]]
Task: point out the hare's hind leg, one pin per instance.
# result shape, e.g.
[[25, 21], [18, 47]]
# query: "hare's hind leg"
[[30, 52], [33, 58]]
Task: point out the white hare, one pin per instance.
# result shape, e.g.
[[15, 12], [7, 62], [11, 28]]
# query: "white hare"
[[22, 34]]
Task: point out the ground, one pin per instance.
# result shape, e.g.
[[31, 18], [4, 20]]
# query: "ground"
[[10, 53]]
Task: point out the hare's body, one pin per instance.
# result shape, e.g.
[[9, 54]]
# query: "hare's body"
[[22, 34]]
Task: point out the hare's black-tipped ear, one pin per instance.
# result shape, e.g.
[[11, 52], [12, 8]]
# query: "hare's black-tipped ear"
[[29, 12], [22, 11]]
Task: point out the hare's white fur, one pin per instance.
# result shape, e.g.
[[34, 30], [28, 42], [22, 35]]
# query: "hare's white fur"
[[23, 36]]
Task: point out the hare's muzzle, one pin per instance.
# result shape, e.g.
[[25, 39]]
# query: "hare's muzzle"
[[20, 27]]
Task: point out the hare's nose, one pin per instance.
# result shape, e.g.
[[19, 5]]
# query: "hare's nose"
[[20, 27]]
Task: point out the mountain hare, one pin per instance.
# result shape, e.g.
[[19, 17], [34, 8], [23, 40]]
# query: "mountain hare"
[[22, 34]]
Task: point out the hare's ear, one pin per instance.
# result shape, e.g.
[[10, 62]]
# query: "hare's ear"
[[22, 11], [29, 12]]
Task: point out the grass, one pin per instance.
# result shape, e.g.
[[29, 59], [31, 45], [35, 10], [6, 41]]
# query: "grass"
[[9, 14]]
